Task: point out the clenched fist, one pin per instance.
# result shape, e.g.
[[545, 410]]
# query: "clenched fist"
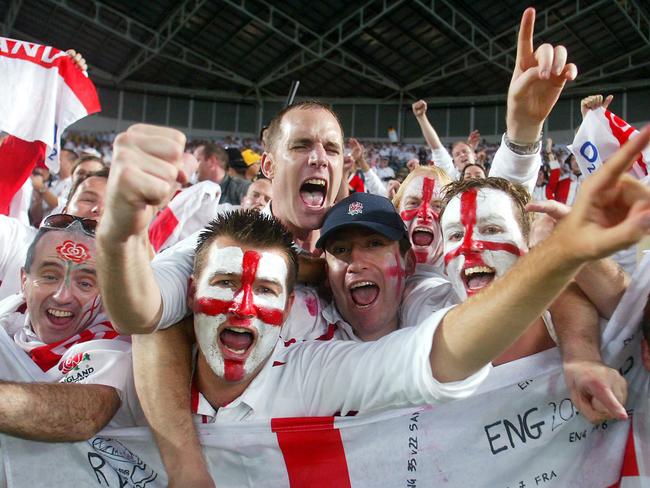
[[147, 163]]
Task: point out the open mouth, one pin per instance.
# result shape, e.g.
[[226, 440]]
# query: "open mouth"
[[313, 192], [477, 277], [421, 236], [236, 342], [364, 293], [59, 317]]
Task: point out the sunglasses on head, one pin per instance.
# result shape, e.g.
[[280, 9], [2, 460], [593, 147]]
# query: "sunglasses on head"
[[64, 221]]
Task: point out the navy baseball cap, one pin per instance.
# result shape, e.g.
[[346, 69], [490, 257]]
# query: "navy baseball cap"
[[364, 210]]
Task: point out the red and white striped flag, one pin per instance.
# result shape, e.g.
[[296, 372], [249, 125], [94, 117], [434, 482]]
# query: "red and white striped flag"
[[43, 92], [600, 135]]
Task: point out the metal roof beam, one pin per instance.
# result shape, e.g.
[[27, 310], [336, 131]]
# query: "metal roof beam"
[[322, 46], [627, 61], [10, 17], [545, 18], [165, 34], [481, 42], [127, 27], [636, 17]]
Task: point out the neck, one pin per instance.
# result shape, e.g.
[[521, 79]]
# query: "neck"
[[304, 238], [215, 390]]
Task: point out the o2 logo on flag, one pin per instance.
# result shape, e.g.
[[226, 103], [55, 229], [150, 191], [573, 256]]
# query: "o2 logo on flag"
[[590, 153]]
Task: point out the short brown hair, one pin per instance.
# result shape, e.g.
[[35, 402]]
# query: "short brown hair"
[[83, 159], [517, 193], [211, 149], [249, 228], [273, 130]]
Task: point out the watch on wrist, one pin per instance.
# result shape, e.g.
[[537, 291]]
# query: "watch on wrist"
[[523, 149]]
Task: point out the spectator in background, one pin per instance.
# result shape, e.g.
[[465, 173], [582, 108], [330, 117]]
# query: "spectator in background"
[[43, 200], [254, 162], [385, 172], [473, 171], [258, 196], [213, 165], [61, 187]]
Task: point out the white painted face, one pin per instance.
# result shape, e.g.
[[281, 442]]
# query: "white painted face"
[[419, 208], [482, 239], [239, 309]]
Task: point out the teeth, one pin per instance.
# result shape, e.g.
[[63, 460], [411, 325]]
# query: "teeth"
[[478, 269], [59, 313], [236, 351], [422, 229], [316, 181], [362, 283], [239, 329]]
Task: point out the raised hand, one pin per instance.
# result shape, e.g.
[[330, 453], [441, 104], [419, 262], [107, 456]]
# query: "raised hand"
[[537, 81], [419, 108], [473, 139], [78, 59], [147, 162], [594, 101]]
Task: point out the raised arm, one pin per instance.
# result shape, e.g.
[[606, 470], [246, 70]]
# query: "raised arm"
[[612, 212], [441, 157], [537, 81], [146, 164], [598, 391], [162, 366], [57, 412]]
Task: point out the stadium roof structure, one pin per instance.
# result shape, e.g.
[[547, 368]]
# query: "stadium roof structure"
[[375, 49]]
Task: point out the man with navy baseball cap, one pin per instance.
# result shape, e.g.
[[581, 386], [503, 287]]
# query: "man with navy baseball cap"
[[364, 210], [369, 259]]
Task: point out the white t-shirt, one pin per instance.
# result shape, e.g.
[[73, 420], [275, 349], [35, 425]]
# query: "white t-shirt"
[[318, 378], [385, 173], [99, 361], [15, 238]]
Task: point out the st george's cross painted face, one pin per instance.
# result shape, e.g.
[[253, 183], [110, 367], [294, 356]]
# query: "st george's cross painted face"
[[239, 307], [482, 239]]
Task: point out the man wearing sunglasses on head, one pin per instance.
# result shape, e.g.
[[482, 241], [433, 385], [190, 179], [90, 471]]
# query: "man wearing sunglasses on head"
[[83, 370], [86, 199]]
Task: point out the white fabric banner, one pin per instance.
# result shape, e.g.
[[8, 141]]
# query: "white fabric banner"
[[521, 430], [600, 135]]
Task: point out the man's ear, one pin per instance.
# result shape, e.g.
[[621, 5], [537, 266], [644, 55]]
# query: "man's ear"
[[409, 269], [23, 279], [645, 354], [267, 165], [191, 291]]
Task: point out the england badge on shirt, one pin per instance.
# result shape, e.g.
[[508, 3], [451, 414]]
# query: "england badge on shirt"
[[355, 208]]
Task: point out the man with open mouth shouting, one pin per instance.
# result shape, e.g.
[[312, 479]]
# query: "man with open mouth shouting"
[[58, 322]]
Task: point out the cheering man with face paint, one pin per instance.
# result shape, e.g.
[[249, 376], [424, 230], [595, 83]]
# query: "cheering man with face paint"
[[57, 321]]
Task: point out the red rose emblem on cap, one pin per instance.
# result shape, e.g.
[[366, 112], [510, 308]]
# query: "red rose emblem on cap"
[[71, 363], [73, 251]]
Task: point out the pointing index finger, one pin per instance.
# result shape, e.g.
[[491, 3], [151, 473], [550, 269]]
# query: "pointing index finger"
[[525, 38], [621, 161]]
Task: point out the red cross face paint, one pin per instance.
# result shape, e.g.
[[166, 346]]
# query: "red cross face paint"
[[239, 309], [419, 210], [482, 239]]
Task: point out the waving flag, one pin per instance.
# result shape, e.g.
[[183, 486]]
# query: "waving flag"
[[43, 92], [189, 211], [600, 135]]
